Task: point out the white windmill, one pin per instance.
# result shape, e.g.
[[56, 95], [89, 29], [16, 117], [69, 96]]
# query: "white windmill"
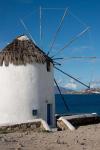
[[27, 79]]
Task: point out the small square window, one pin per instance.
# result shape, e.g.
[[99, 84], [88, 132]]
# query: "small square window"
[[34, 112]]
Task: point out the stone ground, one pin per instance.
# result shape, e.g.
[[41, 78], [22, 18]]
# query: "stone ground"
[[84, 138]]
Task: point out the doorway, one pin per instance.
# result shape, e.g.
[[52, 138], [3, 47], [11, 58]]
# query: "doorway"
[[49, 114]]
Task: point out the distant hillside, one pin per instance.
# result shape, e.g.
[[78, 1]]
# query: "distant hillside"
[[63, 90]]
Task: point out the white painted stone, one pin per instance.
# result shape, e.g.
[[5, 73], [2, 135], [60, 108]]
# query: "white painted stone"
[[24, 88]]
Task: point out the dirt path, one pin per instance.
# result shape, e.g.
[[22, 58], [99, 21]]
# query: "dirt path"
[[84, 138]]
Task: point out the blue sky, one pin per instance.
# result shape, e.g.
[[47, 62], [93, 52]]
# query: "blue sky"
[[87, 12]]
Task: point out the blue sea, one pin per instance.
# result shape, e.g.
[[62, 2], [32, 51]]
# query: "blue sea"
[[82, 103]]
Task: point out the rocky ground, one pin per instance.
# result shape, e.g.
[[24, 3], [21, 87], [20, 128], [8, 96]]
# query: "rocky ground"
[[84, 138]]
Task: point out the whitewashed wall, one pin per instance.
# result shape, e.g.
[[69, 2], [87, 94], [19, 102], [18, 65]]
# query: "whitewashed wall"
[[22, 89]]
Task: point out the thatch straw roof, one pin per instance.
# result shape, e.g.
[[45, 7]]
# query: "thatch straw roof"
[[22, 51]]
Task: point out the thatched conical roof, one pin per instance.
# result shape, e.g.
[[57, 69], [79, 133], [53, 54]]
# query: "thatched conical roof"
[[22, 51]]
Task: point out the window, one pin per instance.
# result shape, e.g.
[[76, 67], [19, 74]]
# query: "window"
[[34, 112], [48, 66]]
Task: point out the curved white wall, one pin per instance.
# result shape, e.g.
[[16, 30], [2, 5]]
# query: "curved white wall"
[[22, 89]]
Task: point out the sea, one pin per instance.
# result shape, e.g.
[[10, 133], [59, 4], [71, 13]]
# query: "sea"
[[77, 104]]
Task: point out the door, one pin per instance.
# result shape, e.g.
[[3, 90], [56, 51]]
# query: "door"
[[49, 114]]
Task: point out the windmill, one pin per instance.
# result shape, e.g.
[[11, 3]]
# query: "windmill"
[[58, 61]]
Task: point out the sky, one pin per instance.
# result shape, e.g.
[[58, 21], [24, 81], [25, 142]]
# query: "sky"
[[81, 14]]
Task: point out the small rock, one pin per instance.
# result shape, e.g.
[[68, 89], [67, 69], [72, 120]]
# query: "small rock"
[[20, 145], [26, 133], [33, 126], [58, 140], [3, 139], [77, 141], [20, 135], [82, 143], [9, 129], [84, 139]]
